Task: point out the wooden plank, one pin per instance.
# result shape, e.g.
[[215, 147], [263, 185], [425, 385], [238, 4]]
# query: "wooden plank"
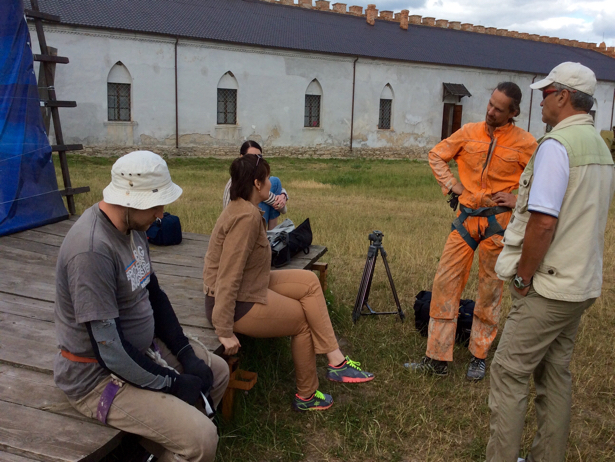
[[206, 336], [60, 228], [42, 238], [43, 88], [16, 281], [302, 261], [196, 237], [27, 342], [56, 103], [49, 437], [40, 15], [66, 147], [188, 247], [33, 258], [51, 59], [171, 259], [74, 191], [179, 270], [36, 390], [7, 457], [27, 307], [30, 246]]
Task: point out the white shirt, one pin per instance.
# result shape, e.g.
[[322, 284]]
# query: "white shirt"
[[551, 173]]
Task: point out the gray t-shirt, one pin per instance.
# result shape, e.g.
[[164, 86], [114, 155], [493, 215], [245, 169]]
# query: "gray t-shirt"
[[101, 274]]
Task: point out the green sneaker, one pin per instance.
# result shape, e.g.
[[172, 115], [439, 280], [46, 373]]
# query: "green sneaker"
[[317, 402], [348, 372]]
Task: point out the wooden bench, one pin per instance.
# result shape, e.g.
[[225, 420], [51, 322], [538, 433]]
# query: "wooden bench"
[[36, 420]]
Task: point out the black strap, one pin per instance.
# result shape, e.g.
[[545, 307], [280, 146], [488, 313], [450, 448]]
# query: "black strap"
[[484, 211]]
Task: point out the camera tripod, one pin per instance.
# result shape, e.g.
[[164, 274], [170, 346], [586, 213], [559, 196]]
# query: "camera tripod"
[[375, 246]]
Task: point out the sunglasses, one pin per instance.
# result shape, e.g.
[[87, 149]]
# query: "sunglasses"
[[546, 93]]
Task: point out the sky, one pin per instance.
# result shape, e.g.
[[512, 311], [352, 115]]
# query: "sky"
[[586, 20]]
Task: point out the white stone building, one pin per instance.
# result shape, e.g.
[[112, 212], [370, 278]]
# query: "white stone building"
[[200, 77]]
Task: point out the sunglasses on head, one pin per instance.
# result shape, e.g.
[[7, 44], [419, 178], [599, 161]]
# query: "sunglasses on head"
[[258, 159]]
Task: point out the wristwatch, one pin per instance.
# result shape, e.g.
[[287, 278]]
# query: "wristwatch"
[[518, 283]]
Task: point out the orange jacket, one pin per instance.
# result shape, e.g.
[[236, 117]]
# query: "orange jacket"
[[484, 167]]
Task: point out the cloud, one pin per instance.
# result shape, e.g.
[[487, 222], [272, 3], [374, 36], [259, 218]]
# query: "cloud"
[[585, 21], [392, 5], [605, 24]]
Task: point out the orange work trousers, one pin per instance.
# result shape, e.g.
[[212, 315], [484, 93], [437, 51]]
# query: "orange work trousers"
[[449, 282]]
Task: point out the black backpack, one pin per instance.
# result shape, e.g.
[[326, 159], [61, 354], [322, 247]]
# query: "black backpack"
[[300, 238], [464, 321], [167, 231]]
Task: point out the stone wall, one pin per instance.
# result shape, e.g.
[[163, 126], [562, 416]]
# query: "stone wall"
[[413, 152]]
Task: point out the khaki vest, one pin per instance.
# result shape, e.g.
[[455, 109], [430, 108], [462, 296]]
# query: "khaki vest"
[[572, 268]]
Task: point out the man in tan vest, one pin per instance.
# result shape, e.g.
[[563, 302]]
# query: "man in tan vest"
[[553, 249]]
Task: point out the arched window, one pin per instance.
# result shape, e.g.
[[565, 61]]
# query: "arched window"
[[386, 108], [118, 93], [313, 96], [227, 99]]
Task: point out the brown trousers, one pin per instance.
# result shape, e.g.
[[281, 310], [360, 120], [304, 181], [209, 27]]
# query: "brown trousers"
[[449, 282], [181, 432], [295, 307], [538, 339]]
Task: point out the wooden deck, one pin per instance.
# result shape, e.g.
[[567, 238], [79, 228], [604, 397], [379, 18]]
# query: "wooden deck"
[[36, 420]]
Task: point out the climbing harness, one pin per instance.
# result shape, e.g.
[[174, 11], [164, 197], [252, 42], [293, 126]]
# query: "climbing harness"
[[493, 227]]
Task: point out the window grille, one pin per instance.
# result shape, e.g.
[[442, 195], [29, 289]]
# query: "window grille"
[[312, 111], [118, 101], [227, 106], [384, 120]]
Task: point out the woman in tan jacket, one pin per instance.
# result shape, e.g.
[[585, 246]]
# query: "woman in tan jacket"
[[243, 296]]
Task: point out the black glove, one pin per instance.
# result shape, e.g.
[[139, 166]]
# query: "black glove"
[[195, 366], [187, 388], [453, 200]]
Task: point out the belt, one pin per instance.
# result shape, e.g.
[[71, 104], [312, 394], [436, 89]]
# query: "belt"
[[108, 394], [77, 359]]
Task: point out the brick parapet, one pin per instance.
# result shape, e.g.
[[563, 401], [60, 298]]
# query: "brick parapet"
[[371, 14]]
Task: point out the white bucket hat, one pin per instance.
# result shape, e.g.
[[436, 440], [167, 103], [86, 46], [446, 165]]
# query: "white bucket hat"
[[141, 180], [573, 75]]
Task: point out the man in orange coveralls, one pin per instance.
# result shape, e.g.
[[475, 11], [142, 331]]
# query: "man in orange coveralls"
[[491, 156]]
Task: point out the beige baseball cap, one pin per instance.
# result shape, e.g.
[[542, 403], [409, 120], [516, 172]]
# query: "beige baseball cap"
[[573, 75], [141, 180]]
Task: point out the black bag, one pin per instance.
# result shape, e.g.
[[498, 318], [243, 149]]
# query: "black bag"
[[300, 238], [167, 231], [281, 257], [464, 321]]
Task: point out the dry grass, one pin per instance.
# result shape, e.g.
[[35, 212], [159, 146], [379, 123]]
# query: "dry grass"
[[399, 416]]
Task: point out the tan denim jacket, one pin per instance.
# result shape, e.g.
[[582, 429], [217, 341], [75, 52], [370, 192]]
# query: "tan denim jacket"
[[237, 263]]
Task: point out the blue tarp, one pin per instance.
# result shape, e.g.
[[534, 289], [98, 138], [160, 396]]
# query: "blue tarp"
[[29, 195]]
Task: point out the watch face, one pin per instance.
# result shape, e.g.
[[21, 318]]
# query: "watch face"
[[518, 283]]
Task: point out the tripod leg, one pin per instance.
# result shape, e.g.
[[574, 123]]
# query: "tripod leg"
[[363, 287], [371, 276], [386, 265]]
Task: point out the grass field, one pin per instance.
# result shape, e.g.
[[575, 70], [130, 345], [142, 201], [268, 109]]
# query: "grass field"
[[399, 416]]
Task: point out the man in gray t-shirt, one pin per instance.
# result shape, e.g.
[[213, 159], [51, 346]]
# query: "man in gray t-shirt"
[[117, 330]]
